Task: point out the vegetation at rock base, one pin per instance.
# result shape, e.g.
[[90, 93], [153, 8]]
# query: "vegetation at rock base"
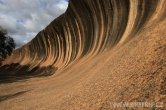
[[7, 44]]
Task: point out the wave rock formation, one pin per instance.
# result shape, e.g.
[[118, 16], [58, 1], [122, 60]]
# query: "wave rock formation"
[[100, 51]]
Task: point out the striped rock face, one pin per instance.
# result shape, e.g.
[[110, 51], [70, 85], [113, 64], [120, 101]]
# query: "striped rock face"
[[87, 28], [97, 52]]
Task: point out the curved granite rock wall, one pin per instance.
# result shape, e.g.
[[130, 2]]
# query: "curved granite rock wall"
[[87, 28]]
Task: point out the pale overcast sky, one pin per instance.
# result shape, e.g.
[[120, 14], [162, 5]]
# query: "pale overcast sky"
[[23, 19]]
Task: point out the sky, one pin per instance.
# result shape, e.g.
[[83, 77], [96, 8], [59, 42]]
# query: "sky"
[[23, 19]]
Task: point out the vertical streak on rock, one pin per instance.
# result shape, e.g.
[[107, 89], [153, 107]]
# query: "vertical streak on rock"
[[87, 28]]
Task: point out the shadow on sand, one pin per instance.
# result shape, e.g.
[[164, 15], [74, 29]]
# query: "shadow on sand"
[[16, 72], [10, 96]]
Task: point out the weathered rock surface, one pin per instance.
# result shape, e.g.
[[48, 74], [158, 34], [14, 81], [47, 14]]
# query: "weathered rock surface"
[[96, 53]]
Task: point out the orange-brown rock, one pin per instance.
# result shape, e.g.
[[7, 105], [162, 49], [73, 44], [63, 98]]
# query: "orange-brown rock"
[[97, 53]]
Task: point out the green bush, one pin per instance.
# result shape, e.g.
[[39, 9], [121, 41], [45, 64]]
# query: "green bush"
[[7, 44]]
